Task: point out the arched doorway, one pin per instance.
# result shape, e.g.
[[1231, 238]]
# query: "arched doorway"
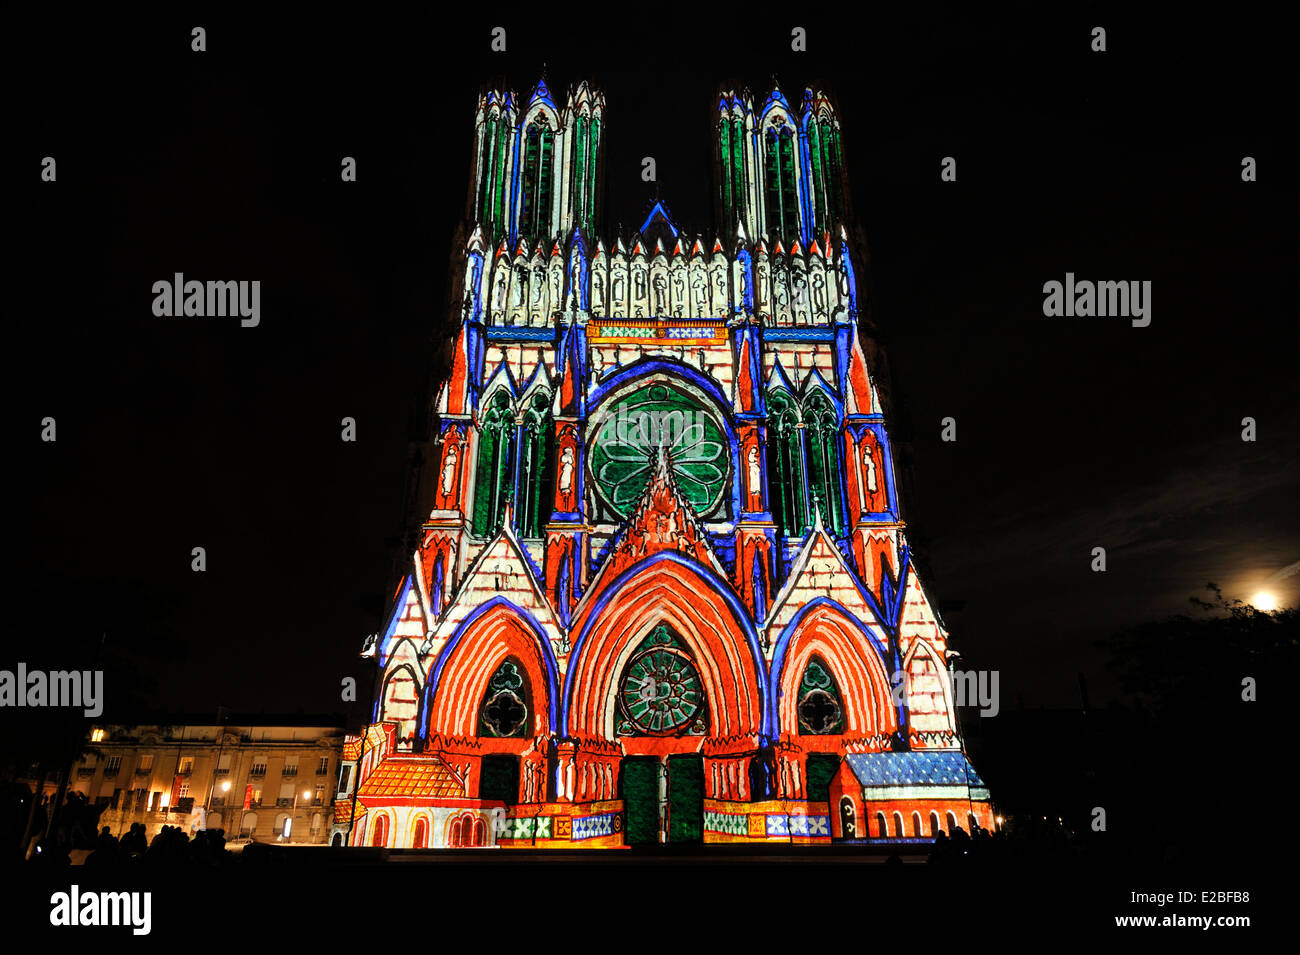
[[848, 819], [379, 835], [420, 837], [665, 659]]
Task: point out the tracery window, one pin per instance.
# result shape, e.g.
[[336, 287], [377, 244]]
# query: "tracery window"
[[782, 198], [785, 464], [535, 215], [731, 147], [661, 693], [821, 428], [625, 449], [824, 156], [536, 467], [585, 147], [490, 200], [820, 709], [492, 478], [504, 712]]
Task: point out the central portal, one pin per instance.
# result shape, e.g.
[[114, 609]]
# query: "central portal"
[[663, 799]]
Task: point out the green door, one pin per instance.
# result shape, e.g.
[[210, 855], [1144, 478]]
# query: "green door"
[[821, 770], [499, 779], [641, 799], [686, 798]]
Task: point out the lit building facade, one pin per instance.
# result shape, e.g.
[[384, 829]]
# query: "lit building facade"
[[663, 593], [269, 783]]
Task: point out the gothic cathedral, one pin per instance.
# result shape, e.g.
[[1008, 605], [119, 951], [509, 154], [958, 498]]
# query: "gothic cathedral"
[[664, 593]]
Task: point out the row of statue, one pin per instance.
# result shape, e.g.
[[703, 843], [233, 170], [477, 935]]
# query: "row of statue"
[[782, 288]]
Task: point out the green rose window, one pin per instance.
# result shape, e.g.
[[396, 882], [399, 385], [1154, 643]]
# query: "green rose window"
[[625, 449], [661, 692]]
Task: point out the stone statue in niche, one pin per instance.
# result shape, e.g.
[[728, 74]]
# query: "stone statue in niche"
[[661, 290], [700, 295], [566, 471], [449, 469], [518, 286], [755, 474], [575, 282], [499, 292]]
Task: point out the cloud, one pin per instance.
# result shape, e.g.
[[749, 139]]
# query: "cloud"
[[1285, 572]]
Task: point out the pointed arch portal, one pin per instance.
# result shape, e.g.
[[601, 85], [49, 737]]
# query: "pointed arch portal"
[[701, 609], [461, 679]]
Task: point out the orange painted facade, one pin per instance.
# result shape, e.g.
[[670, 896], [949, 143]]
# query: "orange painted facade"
[[663, 592]]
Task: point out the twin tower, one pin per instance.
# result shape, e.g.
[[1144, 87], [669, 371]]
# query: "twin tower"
[[663, 592], [537, 168]]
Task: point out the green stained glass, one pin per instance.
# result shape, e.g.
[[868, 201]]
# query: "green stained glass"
[[738, 162], [661, 691], [820, 710], [789, 195], [492, 477], [625, 450], [822, 430], [772, 183], [724, 134], [785, 464], [536, 215], [542, 225], [818, 176], [580, 147], [537, 468], [593, 153], [836, 175], [499, 204]]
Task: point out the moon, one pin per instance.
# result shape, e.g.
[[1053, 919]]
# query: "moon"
[[1264, 601]]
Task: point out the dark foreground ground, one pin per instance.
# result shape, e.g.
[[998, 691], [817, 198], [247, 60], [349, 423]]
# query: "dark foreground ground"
[[972, 895]]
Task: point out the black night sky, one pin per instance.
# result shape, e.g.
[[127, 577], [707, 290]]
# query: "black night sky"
[[1072, 433]]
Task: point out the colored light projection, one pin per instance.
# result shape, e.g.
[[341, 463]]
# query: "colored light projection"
[[624, 448], [663, 594]]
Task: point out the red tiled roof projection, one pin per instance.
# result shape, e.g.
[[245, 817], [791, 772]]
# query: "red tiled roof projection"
[[343, 812], [351, 747], [413, 777]]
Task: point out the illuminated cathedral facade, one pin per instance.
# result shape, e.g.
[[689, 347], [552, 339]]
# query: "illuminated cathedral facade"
[[663, 593]]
